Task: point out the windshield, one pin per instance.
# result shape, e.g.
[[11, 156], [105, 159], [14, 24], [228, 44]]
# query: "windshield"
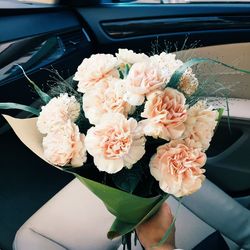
[[126, 1]]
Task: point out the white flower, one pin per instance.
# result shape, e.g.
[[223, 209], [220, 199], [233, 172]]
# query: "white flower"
[[167, 63], [94, 69], [65, 146], [105, 99], [126, 56], [200, 125], [57, 112], [115, 143]]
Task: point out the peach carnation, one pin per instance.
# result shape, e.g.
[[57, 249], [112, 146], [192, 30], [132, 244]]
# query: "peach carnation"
[[65, 146], [166, 113], [115, 143], [126, 56], [169, 64], [57, 112], [101, 100], [94, 69], [143, 78], [200, 124], [178, 168]]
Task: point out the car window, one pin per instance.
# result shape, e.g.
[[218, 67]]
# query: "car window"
[[183, 1]]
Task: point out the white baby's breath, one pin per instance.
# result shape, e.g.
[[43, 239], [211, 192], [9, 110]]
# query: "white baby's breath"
[[188, 82]]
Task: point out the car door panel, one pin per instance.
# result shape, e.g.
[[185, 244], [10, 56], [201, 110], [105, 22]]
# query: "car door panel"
[[48, 39], [17, 26], [149, 27], [228, 157], [138, 26], [228, 162]]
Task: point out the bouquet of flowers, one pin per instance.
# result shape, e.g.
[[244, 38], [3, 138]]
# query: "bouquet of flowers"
[[131, 128]]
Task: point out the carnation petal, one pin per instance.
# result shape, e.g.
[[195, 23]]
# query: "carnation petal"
[[199, 126], [155, 168], [91, 142], [126, 56], [134, 155], [94, 69], [153, 130], [134, 99], [171, 184], [109, 166], [173, 132]]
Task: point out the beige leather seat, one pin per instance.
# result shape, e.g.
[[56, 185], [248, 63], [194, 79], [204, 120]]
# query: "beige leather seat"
[[75, 219]]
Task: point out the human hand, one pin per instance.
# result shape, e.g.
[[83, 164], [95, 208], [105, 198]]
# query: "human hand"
[[152, 231]]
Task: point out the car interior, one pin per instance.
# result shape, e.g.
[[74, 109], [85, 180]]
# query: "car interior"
[[51, 39]]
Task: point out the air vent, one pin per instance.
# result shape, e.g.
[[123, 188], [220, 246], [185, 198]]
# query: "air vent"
[[73, 39]]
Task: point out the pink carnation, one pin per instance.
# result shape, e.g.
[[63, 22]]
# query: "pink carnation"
[[200, 125], [105, 99], [166, 113], [115, 143], [143, 78], [178, 168], [65, 146]]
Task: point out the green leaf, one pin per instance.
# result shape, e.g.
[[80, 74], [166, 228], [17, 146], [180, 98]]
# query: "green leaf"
[[44, 97], [127, 179], [130, 210], [117, 201], [123, 72], [121, 76], [176, 77], [220, 113], [11, 105], [228, 116], [120, 228], [127, 68]]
